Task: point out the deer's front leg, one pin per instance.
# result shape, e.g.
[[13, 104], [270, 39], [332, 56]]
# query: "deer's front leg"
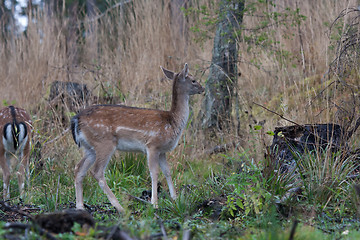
[[23, 171], [166, 170], [153, 162]]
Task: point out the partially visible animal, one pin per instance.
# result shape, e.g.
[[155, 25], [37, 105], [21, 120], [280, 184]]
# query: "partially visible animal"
[[16, 128], [67, 97], [73, 95]]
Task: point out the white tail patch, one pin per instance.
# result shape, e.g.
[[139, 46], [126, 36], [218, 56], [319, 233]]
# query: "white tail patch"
[[16, 127], [8, 140], [22, 133]]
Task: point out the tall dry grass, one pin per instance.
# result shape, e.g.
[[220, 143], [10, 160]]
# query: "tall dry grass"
[[290, 85], [121, 51]]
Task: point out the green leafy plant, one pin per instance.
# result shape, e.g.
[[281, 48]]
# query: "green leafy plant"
[[249, 195]]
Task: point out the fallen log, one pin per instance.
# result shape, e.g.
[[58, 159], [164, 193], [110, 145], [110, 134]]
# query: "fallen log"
[[291, 142]]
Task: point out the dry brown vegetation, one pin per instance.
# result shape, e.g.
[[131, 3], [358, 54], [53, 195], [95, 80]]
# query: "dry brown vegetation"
[[120, 58], [118, 54]]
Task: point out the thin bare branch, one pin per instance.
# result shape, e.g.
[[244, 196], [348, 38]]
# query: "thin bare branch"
[[281, 116]]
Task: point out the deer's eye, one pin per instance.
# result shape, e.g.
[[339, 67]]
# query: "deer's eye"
[[193, 81]]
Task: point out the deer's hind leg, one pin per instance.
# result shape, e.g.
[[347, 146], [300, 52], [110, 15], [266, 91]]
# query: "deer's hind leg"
[[80, 172], [6, 170], [103, 156]]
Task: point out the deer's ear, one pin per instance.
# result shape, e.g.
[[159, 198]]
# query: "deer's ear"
[[185, 71], [169, 74]]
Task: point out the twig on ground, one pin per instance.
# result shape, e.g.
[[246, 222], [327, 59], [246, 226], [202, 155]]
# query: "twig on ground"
[[36, 226], [6, 207], [137, 198], [293, 229], [116, 233], [162, 227]]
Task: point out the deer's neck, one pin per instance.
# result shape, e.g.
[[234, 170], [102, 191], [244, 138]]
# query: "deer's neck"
[[180, 108]]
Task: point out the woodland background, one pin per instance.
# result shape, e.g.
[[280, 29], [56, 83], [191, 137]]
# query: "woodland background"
[[298, 59]]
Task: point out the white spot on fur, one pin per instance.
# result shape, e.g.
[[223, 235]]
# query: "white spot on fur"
[[105, 127], [149, 133]]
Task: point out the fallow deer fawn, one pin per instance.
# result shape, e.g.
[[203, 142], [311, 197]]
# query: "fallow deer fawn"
[[16, 127], [102, 129]]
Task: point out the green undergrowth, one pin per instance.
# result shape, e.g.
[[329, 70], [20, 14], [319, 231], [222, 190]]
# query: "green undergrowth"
[[225, 197]]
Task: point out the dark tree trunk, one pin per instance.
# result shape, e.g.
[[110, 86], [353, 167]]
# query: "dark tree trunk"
[[2, 10], [90, 35], [29, 12], [223, 70], [11, 27], [178, 20], [4, 19], [90, 8]]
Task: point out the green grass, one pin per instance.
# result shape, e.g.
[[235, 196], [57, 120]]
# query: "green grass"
[[226, 197], [237, 195]]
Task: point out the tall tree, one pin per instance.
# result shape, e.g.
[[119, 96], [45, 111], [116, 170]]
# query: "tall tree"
[[223, 70], [2, 9], [90, 8], [178, 21], [4, 19], [90, 35]]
